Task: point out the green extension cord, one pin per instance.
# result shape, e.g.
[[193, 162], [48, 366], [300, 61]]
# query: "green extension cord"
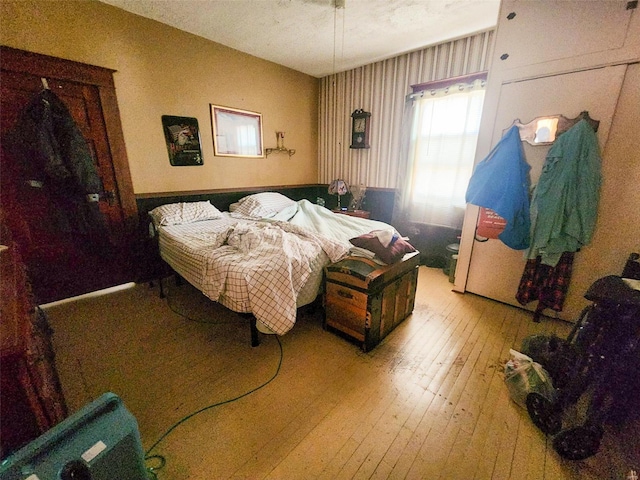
[[161, 461], [175, 310]]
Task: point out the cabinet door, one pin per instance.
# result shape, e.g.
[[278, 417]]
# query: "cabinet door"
[[537, 32], [63, 259], [18, 422]]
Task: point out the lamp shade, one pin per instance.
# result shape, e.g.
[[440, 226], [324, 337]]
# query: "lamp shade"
[[338, 187]]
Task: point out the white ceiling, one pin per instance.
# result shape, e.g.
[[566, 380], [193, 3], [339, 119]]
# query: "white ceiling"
[[314, 37]]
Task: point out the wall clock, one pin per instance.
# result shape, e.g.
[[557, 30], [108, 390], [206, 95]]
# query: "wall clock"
[[360, 129]]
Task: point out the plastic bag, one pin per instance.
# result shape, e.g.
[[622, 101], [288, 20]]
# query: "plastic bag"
[[522, 376], [557, 356]]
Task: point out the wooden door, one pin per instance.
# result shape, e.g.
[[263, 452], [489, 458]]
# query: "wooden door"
[[62, 261]]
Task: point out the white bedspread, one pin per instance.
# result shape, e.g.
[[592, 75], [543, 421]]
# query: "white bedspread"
[[324, 222]]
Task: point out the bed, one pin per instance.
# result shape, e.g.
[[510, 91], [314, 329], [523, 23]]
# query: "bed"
[[264, 257]]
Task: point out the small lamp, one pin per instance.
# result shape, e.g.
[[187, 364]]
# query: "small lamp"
[[338, 187]]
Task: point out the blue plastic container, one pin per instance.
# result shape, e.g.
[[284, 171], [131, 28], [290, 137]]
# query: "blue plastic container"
[[99, 442]]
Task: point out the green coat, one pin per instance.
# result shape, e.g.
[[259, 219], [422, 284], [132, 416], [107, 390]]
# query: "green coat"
[[565, 201]]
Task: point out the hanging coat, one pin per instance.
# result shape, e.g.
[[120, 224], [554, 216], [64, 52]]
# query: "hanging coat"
[[565, 201], [501, 182], [54, 155]]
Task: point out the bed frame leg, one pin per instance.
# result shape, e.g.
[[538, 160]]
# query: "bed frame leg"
[[162, 295], [255, 338]]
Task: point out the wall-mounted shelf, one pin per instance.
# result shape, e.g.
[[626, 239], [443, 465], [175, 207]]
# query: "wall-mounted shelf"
[[280, 147], [289, 151]]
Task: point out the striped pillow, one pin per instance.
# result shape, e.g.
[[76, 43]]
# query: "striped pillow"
[[184, 212], [262, 205]]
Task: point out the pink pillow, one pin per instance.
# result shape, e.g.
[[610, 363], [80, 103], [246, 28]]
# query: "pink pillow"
[[391, 254]]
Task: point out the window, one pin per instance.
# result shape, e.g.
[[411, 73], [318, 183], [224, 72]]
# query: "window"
[[442, 130]]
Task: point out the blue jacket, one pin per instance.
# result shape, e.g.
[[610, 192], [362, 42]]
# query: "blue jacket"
[[501, 182]]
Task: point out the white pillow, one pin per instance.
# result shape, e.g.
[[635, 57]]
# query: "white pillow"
[[184, 212], [262, 205]]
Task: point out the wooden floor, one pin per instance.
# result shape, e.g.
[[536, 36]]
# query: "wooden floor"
[[427, 403]]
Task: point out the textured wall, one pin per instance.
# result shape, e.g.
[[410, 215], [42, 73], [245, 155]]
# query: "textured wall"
[[163, 71]]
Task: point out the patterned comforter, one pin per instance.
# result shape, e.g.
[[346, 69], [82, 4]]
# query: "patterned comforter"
[[273, 260]]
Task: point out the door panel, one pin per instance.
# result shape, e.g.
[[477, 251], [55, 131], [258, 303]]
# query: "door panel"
[[495, 270], [561, 29], [62, 262]]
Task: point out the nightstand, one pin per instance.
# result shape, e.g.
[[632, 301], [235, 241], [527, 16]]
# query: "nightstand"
[[354, 213]]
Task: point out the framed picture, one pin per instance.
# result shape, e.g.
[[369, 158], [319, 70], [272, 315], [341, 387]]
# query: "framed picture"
[[183, 140], [236, 133]]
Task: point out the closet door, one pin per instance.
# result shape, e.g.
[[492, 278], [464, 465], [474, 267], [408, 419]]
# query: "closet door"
[[495, 270], [64, 263]]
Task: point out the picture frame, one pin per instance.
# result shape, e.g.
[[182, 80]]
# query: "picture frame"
[[236, 133], [183, 140]]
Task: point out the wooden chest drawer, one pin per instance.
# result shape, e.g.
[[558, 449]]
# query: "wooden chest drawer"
[[367, 301], [346, 318], [347, 295]]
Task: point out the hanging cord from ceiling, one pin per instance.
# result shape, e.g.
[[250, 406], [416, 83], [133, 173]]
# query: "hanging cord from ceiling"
[[335, 28], [337, 5]]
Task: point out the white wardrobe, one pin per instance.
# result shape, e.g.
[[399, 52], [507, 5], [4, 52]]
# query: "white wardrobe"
[[561, 58]]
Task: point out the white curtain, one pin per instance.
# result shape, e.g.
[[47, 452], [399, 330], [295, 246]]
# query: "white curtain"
[[440, 135]]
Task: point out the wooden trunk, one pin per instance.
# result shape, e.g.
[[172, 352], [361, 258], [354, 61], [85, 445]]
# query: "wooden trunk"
[[366, 300]]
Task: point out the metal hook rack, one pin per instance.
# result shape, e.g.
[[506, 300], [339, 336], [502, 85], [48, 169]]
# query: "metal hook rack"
[[529, 132]]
